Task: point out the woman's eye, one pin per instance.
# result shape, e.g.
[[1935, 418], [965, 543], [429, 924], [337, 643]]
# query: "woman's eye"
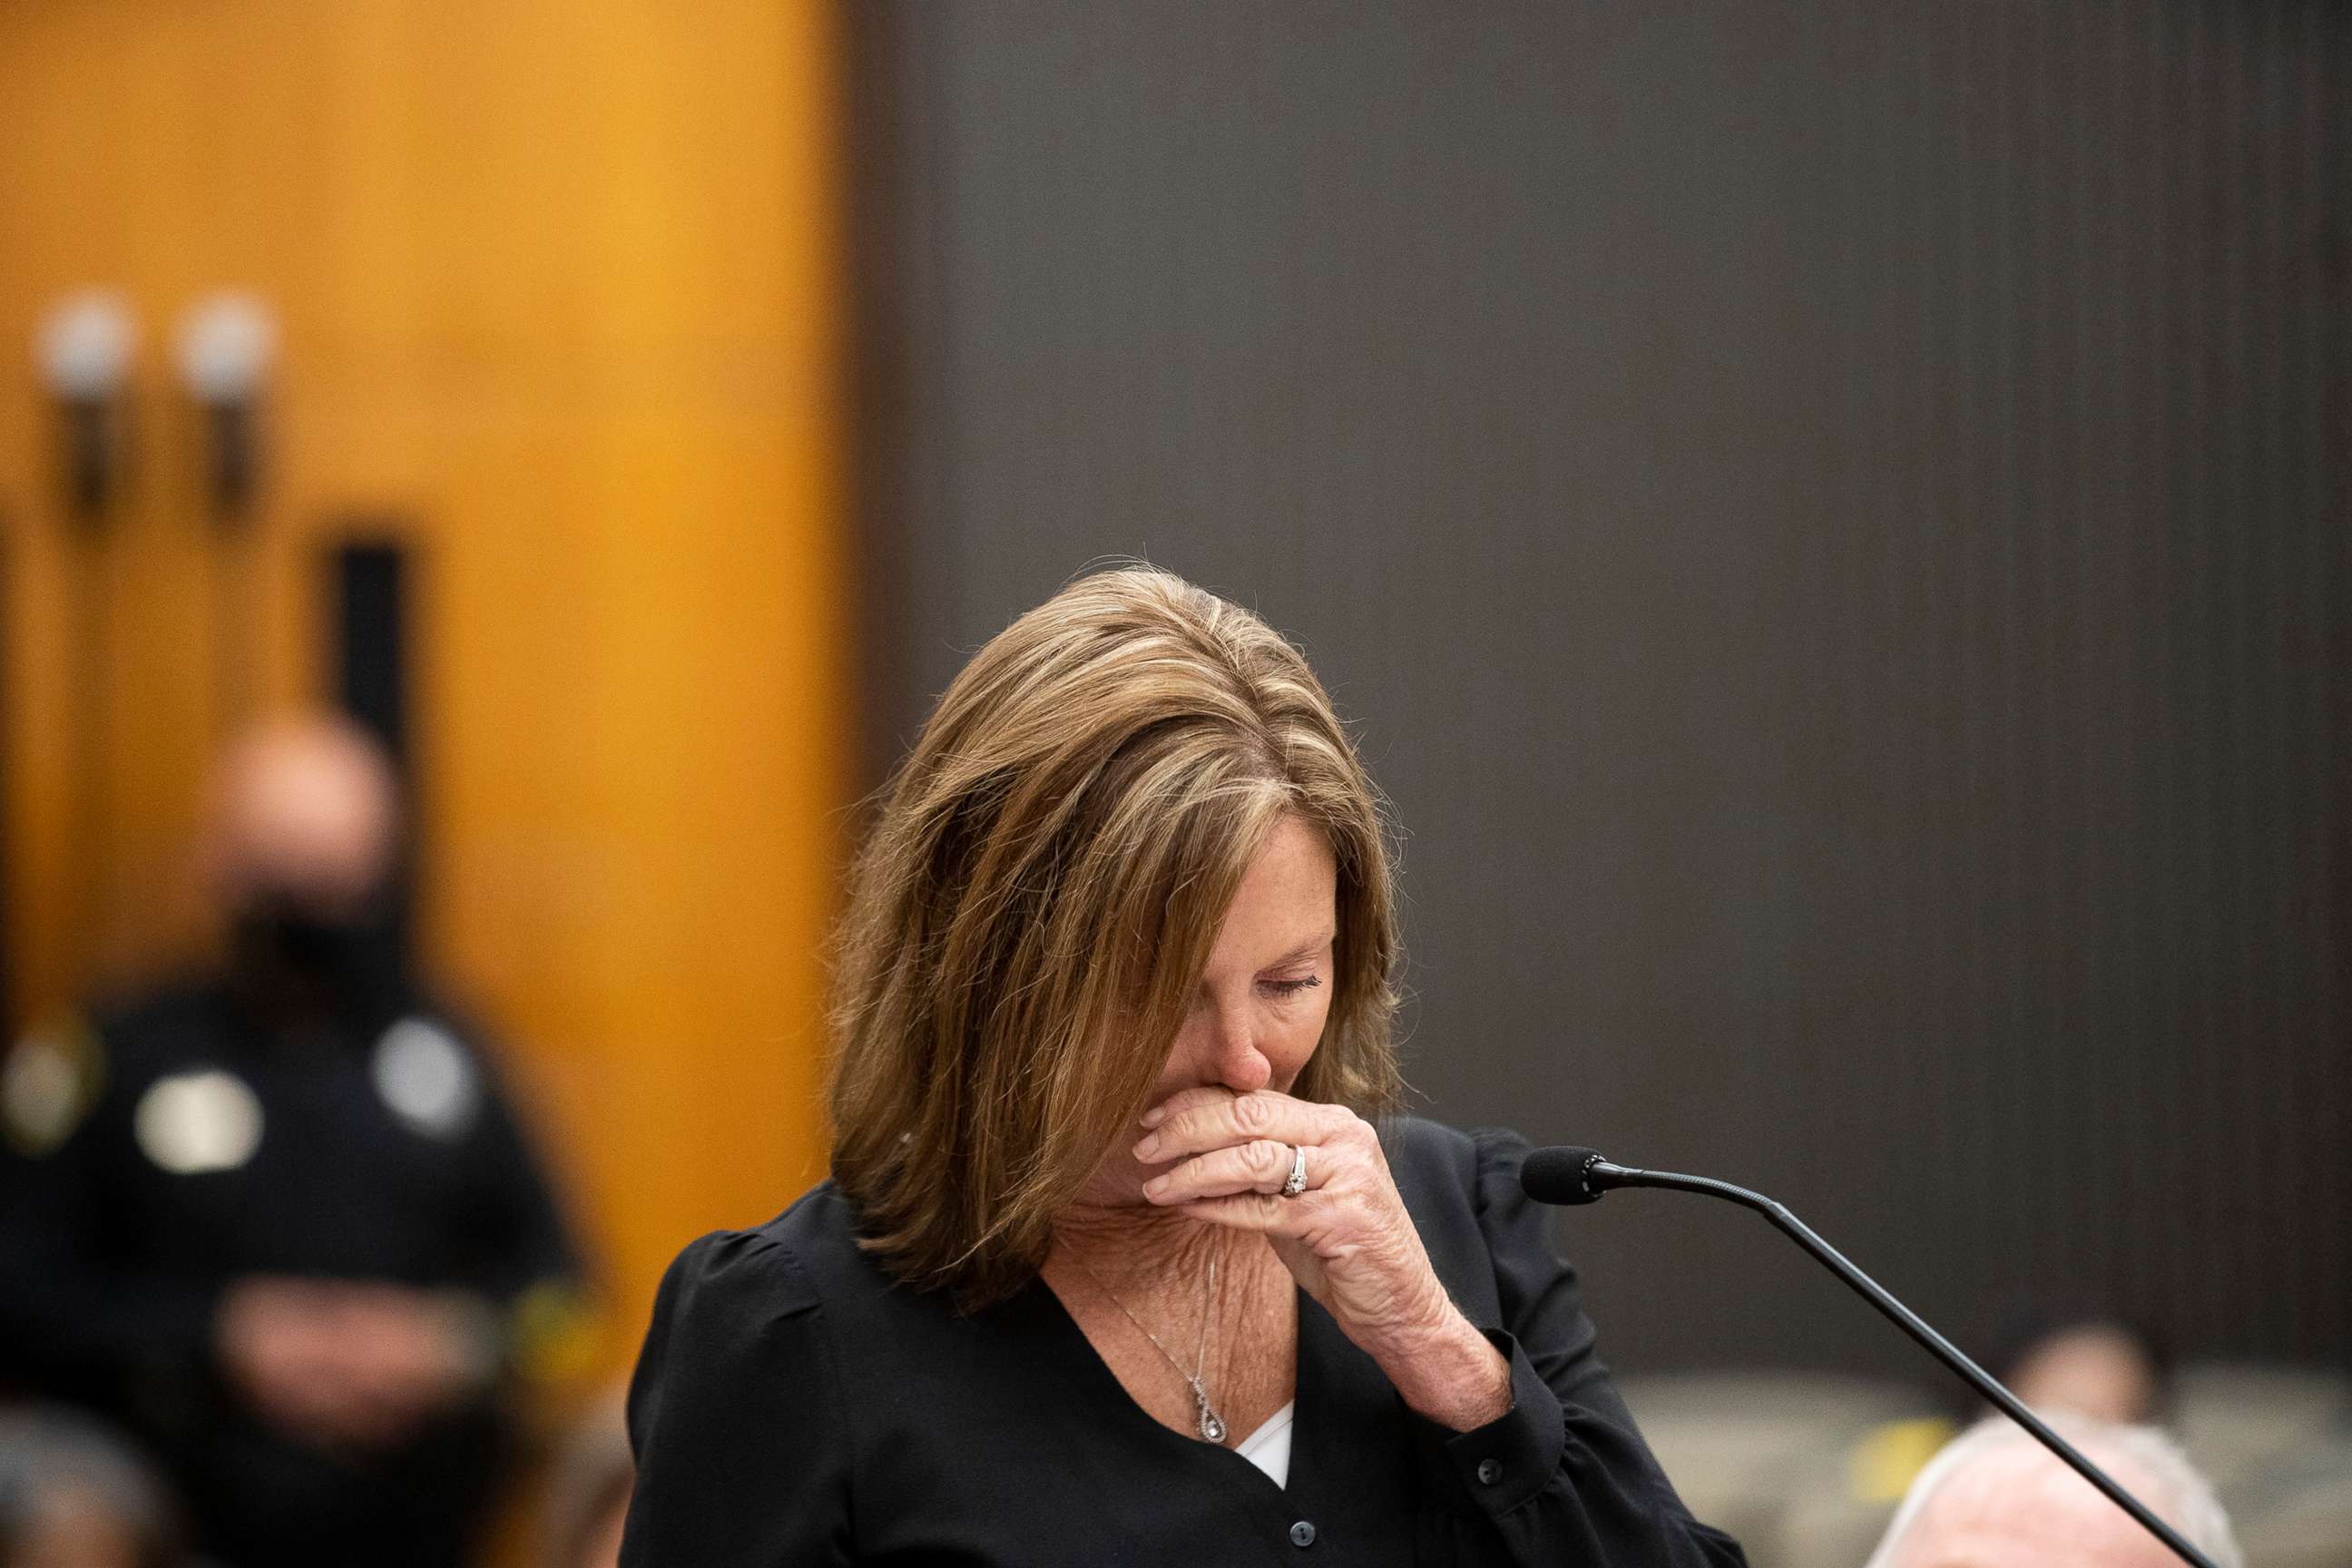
[[1290, 987]]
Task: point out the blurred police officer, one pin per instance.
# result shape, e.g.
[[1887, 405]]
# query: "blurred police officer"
[[279, 1220]]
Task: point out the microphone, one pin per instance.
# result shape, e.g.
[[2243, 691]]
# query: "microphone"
[[1566, 1177], [1572, 1176]]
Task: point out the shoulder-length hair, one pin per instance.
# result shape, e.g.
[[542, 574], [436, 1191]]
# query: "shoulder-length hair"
[[1033, 910]]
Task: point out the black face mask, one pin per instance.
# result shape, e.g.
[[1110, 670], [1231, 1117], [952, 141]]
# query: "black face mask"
[[287, 960]]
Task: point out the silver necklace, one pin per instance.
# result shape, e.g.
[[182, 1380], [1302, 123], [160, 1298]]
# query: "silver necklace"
[[1211, 1425]]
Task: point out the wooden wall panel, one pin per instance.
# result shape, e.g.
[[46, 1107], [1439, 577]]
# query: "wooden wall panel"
[[557, 283]]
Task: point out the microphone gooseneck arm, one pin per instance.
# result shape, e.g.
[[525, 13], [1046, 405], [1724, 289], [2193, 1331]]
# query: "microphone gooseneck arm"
[[1601, 1174]]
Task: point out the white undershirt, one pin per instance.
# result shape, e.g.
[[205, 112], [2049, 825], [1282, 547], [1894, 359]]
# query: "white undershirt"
[[1268, 1447]]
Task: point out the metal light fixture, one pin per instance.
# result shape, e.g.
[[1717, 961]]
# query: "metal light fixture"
[[85, 347], [229, 341]]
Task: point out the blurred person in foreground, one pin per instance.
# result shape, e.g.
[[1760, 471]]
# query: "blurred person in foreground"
[[279, 1220], [1995, 1498], [75, 1495], [1113, 1266]]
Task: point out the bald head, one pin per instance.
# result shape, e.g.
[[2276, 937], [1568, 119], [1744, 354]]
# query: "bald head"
[[1997, 1498], [306, 810]]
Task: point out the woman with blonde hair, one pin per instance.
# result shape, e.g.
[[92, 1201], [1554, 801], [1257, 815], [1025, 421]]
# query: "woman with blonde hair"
[[1126, 1257]]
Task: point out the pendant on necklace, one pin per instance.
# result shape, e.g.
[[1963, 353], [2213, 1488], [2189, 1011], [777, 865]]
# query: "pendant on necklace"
[[1213, 1426]]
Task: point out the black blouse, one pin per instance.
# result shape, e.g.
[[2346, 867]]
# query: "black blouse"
[[794, 1404]]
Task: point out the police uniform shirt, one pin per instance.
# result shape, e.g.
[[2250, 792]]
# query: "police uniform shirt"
[[167, 1150]]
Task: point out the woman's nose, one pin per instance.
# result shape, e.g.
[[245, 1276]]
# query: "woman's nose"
[[1241, 1065]]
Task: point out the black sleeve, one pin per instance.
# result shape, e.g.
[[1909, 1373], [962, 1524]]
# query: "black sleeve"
[[1562, 1477], [515, 1228], [737, 1417], [515, 1248], [78, 1317]]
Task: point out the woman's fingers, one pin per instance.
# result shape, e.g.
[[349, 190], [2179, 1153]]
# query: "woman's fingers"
[[1184, 1099], [1253, 1211], [1261, 1165], [1346, 1238], [1242, 1118]]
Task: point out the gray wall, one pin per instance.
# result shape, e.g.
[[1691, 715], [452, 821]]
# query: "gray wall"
[[1832, 521]]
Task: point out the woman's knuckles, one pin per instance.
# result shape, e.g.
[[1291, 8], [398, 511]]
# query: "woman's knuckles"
[[1254, 1113]]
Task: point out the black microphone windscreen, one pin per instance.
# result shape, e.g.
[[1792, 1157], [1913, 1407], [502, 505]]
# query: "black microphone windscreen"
[[1558, 1176]]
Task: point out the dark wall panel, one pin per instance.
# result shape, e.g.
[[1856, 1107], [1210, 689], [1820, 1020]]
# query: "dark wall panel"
[[1832, 521]]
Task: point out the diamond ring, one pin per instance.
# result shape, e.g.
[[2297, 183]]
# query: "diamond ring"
[[1298, 1182]]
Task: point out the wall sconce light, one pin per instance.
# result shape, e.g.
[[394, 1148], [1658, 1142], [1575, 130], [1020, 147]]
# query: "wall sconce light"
[[227, 344], [85, 346]]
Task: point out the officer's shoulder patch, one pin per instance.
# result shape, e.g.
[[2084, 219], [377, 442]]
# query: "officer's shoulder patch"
[[52, 1078], [427, 1077], [196, 1124]]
